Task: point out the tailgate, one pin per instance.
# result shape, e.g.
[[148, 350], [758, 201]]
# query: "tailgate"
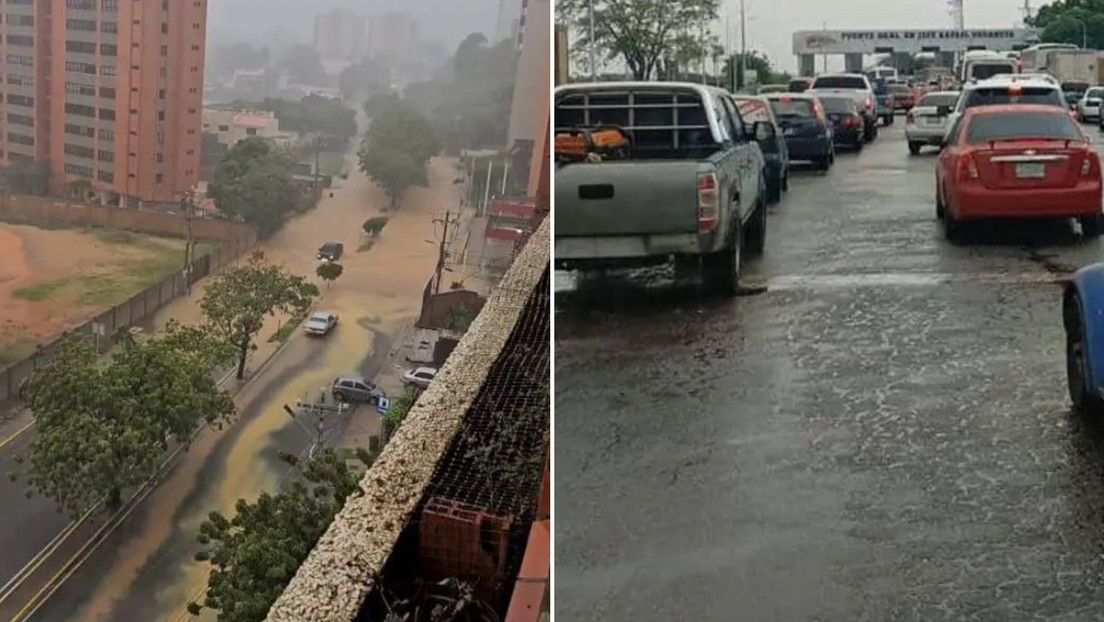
[[627, 198]]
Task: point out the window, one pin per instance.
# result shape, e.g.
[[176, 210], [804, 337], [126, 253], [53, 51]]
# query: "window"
[[107, 92], [76, 67], [841, 82], [164, 28], [85, 25], [105, 155], [164, 50], [79, 130], [88, 5], [107, 70], [107, 114], [21, 2], [109, 26], [25, 41], [160, 157], [106, 176], [20, 59], [1012, 125], [109, 49], [106, 134], [109, 5], [80, 110], [251, 131], [77, 88], [77, 169], [14, 78], [79, 150], [20, 119], [20, 100], [161, 94], [21, 139], [20, 20], [158, 178], [224, 128], [737, 125], [80, 47]]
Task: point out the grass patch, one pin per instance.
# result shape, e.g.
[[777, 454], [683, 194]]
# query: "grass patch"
[[40, 292], [287, 330]]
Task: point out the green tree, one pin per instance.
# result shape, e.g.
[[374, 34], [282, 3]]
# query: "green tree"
[[367, 77], [254, 182], [257, 552], [104, 428], [1070, 21], [28, 177], [374, 226], [758, 63], [643, 33], [460, 318], [397, 148], [397, 412], [393, 171], [329, 271], [241, 295]]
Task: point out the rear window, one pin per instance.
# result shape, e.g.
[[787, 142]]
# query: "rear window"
[[798, 86], [838, 105], [989, 96], [792, 108], [939, 100], [839, 82], [753, 110], [984, 71], [1011, 125]]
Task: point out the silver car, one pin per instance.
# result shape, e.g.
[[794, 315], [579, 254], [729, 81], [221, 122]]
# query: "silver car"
[[356, 389], [927, 122], [320, 323], [420, 377], [1088, 107]]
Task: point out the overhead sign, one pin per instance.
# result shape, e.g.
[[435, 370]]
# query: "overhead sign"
[[911, 41]]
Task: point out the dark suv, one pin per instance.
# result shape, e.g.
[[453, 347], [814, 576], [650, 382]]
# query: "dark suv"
[[331, 251]]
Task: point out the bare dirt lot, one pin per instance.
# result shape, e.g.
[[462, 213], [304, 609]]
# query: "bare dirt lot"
[[52, 280]]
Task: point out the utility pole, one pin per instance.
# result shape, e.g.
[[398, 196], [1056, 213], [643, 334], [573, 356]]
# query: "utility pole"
[[593, 46], [743, 43], [441, 250], [730, 66]]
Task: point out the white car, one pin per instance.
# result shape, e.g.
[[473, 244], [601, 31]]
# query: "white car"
[[1013, 89], [928, 121], [320, 323], [420, 377], [1088, 107]]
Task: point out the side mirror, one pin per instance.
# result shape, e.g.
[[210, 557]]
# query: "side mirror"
[[763, 131]]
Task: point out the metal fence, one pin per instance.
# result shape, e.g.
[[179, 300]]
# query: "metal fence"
[[130, 313]]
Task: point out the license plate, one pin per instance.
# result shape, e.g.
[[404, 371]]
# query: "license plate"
[[789, 131], [934, 121], [1031, 170]]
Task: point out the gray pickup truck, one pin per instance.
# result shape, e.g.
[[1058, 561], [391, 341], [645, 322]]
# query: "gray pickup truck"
[[689, 189]]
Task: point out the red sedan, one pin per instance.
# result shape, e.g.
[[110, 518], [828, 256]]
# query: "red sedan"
[[1017, 161]]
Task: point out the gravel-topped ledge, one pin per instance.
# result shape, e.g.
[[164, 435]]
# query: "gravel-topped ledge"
[[336, 578]]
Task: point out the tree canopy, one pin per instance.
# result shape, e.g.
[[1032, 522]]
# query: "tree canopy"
[[758, 63], [241, 295], [397, 148], [365, 77], [256, 553], [254, 182], [104, 428], [650, 36], [27, 177], [468, 104], [1066, 21], [329, 271]]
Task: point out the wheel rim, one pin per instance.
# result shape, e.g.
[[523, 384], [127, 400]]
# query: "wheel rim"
[[1075, 357]]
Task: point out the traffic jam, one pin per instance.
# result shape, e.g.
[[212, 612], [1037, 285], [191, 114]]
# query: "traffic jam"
[[839, 341]]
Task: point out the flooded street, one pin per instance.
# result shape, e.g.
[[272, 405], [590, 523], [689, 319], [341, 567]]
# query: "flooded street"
[[883, 434]]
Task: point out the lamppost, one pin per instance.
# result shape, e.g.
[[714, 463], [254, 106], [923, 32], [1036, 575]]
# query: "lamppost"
[[593, 45]]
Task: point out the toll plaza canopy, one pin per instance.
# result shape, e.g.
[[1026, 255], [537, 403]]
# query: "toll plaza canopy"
[[911, 41]]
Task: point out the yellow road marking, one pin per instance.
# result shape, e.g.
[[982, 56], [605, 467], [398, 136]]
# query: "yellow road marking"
[[17, 434]]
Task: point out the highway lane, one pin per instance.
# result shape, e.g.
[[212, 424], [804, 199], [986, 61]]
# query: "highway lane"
[[883, 435]]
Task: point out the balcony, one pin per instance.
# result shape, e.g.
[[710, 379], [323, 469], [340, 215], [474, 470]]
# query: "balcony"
[[456, 508]]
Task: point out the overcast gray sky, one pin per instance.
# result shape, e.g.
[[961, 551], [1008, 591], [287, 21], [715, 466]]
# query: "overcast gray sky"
[[772, 23]]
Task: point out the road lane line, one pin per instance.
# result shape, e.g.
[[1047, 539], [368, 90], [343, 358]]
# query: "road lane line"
[[77, 559], [53, 545], [17, 434]]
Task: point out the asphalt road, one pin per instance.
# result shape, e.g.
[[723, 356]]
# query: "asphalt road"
[[883, 434]]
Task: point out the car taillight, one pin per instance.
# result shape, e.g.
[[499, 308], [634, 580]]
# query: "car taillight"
[[708, 201], [967, 168], [1087, 165], [869, 103], [910, 117]]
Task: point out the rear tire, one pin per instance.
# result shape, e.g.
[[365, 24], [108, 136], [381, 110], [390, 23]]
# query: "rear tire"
[[1092, 226], [940, 210], [722, 269], [858, 146], [952, 227], [914, 147], [1084, 399], [756, 237]]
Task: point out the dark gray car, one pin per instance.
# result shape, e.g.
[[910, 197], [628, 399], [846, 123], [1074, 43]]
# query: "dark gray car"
[[776, 154], [356, 389]]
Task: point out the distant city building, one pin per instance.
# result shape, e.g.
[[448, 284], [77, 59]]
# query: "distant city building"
[[231, 126], [531, 83], [509, 20], [108, 92], [394, 36], [339, 35]]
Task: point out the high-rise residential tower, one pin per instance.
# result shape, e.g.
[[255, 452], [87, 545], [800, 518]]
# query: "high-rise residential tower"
[[108, 91]]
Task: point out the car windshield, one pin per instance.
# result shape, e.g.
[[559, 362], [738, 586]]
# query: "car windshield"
[[319, 317], [798, 86], [838, 105], [329, 248], [1013, 125], [941, 99], [1095, 93], [990, 96], [984, 71], [792, 108], [840, 82]]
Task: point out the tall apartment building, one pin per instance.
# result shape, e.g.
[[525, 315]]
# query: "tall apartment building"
[[339, 35], [393, 36], [108, 91]]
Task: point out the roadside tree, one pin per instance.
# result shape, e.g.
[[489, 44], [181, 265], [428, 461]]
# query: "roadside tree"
[[102, 429], [1071, 21], [257, 552], [396, 414], [254, 182], [240, 297], [374, 226], [329, 272], [397, 148], [645, 34], [394, 171]]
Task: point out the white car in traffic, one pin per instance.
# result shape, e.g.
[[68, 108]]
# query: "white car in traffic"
[[1088, 107], [929, 119], [420, 377], [320, 323]]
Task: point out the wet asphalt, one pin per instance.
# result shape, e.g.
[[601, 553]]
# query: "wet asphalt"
[[884, 434]]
